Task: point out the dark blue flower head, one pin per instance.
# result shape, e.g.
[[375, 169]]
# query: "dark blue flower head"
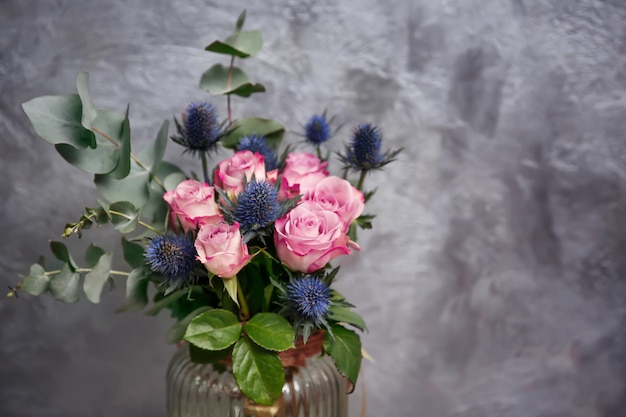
[[257, 206], [364, 151], [200, 130], [257, 143], [317, 130], [172, 256], [309, 297]]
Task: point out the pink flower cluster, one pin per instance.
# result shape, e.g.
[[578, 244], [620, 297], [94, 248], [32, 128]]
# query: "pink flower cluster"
[[306, 238]]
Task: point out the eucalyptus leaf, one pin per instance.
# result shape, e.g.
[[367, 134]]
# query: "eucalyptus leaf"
[[136, 291], [177, 331], [58, 119], [124, 216], [242, 44], [89, 109], [64, 286], [61, 252], [345, 315], [133, 253], [271, 129], [36, 282], [93, 254], [258, 372], [213, 330], [97, 277], [151, 155], [345, 350], [219, 80], [270, 331], [166, 301], [133, 188]]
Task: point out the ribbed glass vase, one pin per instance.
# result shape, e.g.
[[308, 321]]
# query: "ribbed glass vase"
[[313, 389]]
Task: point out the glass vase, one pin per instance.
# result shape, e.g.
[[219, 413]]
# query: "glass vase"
[[313, 388]]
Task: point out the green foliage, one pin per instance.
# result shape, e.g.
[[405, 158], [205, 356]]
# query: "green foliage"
[[36, 282], [258, 372], [97, 277], [177, 331], [64, 285], [136, 291], [270, 331], [213, 330], [345, 315], [344, 346], [271, 129], [219, 80]]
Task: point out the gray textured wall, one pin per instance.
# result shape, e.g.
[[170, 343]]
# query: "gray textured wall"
[[493, 281]]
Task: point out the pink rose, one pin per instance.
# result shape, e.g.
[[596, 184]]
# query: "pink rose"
[[221, 249], [193, 203], [308, 237], [230, 173], [339, 196], [301, 171]]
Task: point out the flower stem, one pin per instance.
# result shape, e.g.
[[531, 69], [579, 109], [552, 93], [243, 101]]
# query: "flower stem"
[[244, 310], [205, 169], [144, 224], [112, 272], [228, 84], [361, 180]]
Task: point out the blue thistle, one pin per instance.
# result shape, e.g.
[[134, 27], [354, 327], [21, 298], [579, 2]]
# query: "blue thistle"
[[317, 130], [200, 131], [257, 206], [364, 151], [309, 298], [172, 256], [257, 143]]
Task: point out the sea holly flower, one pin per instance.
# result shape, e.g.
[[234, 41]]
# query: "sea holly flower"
[[364, 151], [257, 143], [172, 256], [309, 298], [317, 130], [257, 206], [200, 130]]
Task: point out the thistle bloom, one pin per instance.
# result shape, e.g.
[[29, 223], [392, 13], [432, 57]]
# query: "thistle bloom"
[[200, 130], [364, 151], [310, 298], [173, 257], [257, 143], [317, 130], [257, 206]]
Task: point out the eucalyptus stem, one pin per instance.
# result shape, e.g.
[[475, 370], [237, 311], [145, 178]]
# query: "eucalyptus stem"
[[228, 84], [361, 180], [142, 223], [112, 272]]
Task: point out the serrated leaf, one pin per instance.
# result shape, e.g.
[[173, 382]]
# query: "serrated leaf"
[[133, 253], [259, 373], [89, 112], [218, 80], [345, 350], [93, 254], [213, 330], [271, 129], [36, 282], [177, 331], [61, 252], [58, 119], [348, 316], [136, 291], [124, 216], [64, 285], [166, 301], [270, 331], [97, 277], [243, 44]]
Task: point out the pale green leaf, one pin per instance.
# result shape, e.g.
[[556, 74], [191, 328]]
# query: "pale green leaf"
[[271, 129], [36, 282], [219, 80], [89, 109], [97, 277], [124, 216], [136, 291], [177, 331], [345, 315], [61, 252], [64, 286], [242, 44]]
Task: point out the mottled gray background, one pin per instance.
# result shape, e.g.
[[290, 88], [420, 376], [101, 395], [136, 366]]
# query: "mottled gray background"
[[493, 282]]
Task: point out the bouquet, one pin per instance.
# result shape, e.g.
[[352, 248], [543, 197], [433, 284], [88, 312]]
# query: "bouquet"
[[240, 254]]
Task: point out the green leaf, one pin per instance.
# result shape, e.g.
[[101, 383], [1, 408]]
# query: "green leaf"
[[124, 216], [240, 21], [133, 253], [97, 277], [166, 301], [177, 331], [173, 179], [89, 110], [111, 153], [231, 285], [93, 254], [271, 129], [345, 351], [198, 355], [270, 331], [36, 282], [214, 330], [348, 316], [242, 44], [61, 253], [133, 188], [58, 119], [258, 372], [217, 81], [151, 155], [136, 291], [64, 286]]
